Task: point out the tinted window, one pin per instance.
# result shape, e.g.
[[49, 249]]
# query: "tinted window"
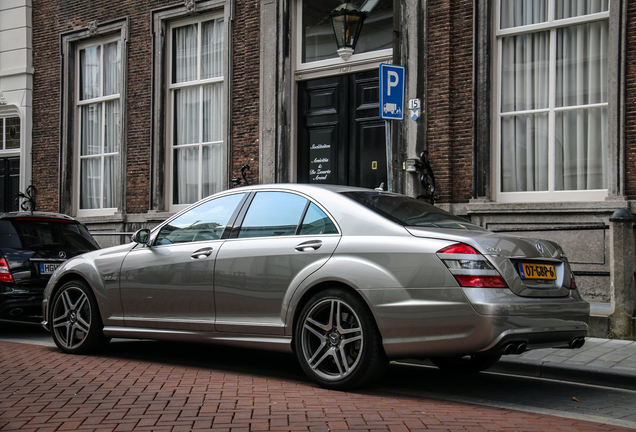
[[409, 211], [317, 222], [37, 233], [273, 214], [204, 222]]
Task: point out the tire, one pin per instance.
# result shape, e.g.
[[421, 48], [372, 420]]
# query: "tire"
[[467, 364], [75, 322], [337, 341]]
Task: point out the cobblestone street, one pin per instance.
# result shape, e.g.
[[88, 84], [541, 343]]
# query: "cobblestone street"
[[42, 389]]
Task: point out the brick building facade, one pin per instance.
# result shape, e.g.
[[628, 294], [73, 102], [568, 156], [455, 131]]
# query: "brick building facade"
[[285, 89], [135, 24]]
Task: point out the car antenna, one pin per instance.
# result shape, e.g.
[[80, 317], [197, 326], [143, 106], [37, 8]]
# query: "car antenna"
[[380, 188]]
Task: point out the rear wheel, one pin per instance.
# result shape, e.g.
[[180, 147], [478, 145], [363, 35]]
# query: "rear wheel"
[[337, 341], [75, 322], [466, 364]]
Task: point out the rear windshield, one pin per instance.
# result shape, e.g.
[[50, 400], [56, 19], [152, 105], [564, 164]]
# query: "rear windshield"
[[42, 234], [409, 211]]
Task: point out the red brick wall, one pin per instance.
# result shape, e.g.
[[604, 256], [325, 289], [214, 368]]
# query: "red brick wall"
[[450, 97], [51, 19], [246, 88], [630, 102]]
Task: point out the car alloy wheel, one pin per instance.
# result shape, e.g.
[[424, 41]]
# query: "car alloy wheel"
[[337, 341], [75, 323]]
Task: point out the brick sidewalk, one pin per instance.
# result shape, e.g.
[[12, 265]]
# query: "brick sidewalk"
[[42, 389]]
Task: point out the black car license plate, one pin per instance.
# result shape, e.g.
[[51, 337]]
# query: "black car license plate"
[[47, 269]]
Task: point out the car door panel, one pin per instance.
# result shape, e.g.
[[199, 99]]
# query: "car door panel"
[[253, 276]]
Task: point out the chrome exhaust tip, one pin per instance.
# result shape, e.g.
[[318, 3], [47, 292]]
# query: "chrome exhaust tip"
[[577, 342]]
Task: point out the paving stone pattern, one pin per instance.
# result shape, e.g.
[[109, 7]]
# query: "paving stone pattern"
[[42, 389]]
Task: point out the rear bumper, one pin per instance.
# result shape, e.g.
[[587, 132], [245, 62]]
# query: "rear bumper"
[[14, 304], [421, 323]]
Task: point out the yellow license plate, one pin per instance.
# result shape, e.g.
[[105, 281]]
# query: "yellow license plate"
[[537, 271]]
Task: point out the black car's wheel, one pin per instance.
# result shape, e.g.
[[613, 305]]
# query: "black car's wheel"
[[466, 364], [337, 341], [75, 322]]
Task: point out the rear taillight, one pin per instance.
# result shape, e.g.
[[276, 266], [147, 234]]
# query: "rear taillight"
[[469, 267], [5, 273], [572, 283]]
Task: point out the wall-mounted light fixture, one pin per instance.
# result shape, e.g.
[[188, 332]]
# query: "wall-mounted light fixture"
[[347, 21]]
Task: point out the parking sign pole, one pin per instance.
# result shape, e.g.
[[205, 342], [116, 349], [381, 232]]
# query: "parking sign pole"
[[391, 108], [389, 165]]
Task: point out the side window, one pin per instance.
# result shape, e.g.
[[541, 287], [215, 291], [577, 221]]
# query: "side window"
[[204, 222], [317, 222], [273, 214]]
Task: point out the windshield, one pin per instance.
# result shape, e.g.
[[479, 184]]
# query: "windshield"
[[409, 211]]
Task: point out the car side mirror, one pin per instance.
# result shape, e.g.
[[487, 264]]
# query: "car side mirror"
[[142, 236]]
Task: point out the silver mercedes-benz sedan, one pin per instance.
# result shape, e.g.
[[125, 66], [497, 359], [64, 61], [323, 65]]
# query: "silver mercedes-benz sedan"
[[346, 278]]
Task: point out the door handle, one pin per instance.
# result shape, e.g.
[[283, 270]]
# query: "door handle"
[[309, 245], [201, 253]]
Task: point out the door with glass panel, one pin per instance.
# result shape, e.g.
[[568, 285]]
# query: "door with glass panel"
[[283, 238], [9, 163], [170, 285]]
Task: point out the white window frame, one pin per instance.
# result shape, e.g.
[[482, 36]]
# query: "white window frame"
[[333, 66], [5, 152], [551, 195], [102, 211], [201, 83]]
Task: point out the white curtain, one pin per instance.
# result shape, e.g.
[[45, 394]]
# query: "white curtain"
[[184, 54], [574, 8], [186, 168], [198, 112], [580, 139], [581, 133], [517, 13], [112, 68], [111, 157], [99, 144], [524, 137], [89, 72], [212, 33], [90, 169]]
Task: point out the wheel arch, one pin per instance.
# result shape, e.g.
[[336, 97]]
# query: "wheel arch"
[[323, 285]]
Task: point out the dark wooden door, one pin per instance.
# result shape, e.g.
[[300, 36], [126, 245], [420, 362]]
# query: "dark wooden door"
[[341, 136], [9, 183]]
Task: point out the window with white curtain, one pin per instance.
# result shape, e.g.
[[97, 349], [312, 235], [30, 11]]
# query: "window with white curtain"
[[196, 104], [99, 125], [552, 100]]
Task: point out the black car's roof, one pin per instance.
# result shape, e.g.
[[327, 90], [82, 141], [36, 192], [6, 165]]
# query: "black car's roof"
[[36, 214]]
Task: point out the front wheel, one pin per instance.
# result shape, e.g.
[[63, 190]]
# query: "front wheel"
[[337, 341], [75, 322], [467, 364]]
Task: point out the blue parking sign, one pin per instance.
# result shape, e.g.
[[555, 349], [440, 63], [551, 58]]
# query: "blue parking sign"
[[391, 92]]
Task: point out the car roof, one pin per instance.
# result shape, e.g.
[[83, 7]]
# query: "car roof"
[[36, 214], [307, 188]]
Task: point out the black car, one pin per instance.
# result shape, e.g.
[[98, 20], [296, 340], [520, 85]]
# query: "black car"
[[32, 246]]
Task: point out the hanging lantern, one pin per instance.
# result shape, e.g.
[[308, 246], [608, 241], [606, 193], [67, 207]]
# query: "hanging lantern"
[[347, 21]]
